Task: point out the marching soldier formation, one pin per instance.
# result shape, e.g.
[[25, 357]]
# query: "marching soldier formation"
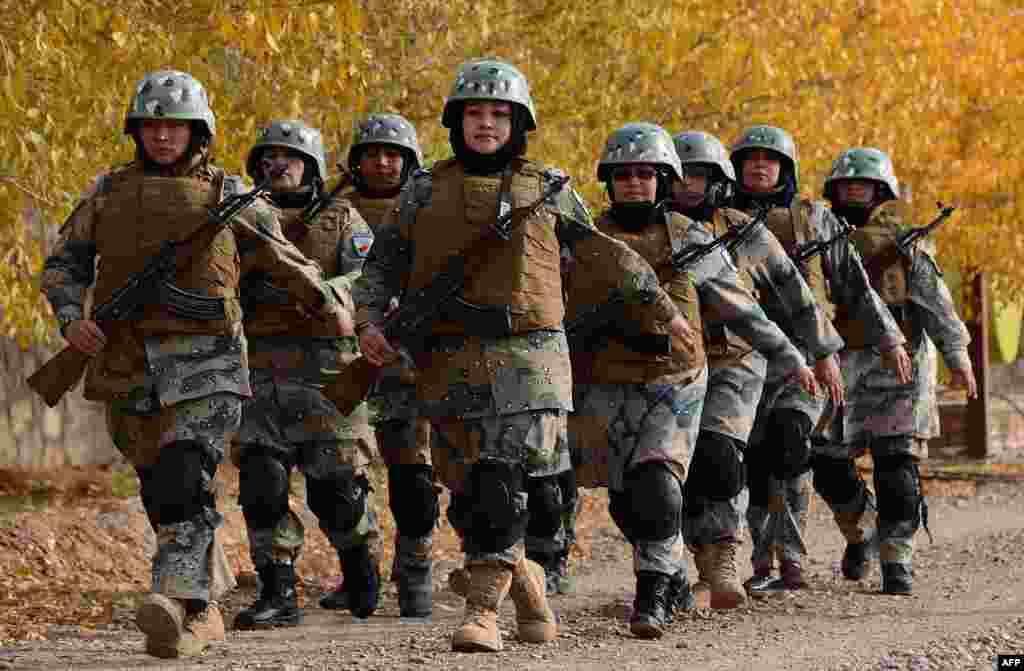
[[709, 349]]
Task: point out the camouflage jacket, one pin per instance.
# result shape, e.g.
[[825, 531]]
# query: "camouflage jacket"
[[175, 366], [470, 375], [785, 296]]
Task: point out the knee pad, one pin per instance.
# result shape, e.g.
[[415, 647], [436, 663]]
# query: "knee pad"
[[339, 503], [546, 506], [716, 469], [146, 484], [837, 480], [897, 489], [178, 485], [650, 507], [458, 512], [497, 517], [262, 490], [413, 499], [757, 467], [792, 429]]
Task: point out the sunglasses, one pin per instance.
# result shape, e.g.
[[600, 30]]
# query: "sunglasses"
[[642, 173], [697, 170]]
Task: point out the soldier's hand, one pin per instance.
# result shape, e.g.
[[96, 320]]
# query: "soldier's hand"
[[964, 377], [339, 322], [898, 361], [828, 374], [805, 378], [375, 346], [85, 336], [681, 328]]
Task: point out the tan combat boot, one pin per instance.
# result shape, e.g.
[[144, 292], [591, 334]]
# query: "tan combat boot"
[[534, 617], [171, 633], [702, 559], [726, 590], [488, 586]]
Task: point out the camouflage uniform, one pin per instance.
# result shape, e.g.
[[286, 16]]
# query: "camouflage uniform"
[[289, 422], [173, 380], [892, 420], [779, 479], [403, 437], [495, 390]]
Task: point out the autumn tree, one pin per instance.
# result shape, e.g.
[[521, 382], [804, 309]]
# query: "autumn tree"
[[935, 84]]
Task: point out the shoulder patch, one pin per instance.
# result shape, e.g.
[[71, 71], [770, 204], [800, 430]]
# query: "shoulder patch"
[[361, 245]]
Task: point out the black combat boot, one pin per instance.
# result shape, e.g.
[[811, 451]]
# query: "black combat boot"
[[557, 579], [277, 605], [680, 598], [336, 599], [855, 560], [650, 608], [415, 576], [897, 578], [362, 580]]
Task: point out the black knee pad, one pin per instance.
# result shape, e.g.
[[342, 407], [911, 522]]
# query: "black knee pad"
[[790, 432], [716, 469], [497, 519], [146, 486], [178, 482], [650, 507], [898, 489], [459, 512], [413, 499], [546, 506], [262, 490], [339, 503], [837, 480]]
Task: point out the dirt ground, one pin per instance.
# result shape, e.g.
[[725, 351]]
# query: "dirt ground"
[[73, 564]]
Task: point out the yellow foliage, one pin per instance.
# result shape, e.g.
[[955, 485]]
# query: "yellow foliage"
[[936, 84]]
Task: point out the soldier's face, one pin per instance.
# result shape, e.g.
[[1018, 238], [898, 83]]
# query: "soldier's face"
[[855, 191], [634, 183], [761, 170], [690, 190], [288, 165], [486, 126], [381, 167], [165, 141]]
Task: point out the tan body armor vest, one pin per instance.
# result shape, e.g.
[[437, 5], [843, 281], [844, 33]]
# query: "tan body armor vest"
[[522, 273], [888, 269], [793, 227], [318, 241], [374, 210], [614, 361], [135, 215], [720, 342]]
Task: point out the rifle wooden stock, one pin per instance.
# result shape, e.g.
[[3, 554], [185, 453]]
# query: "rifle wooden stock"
[[59, 375], [352, 386]]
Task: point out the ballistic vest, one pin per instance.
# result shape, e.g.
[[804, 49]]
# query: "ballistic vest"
[[720, 342], [374, 210], [795, 226]]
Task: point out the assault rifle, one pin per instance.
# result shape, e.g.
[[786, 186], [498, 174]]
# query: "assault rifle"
[[906, 240], [410, 323], [62, 372], [807, 251], [594, 321]]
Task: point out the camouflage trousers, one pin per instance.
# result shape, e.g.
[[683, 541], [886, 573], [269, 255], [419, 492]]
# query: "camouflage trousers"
[[777, 529], [730, 407], [536, 440], [293, 423], [402, 436], [187, 550], [617, 427]]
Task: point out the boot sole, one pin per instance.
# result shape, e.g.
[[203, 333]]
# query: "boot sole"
[[157, 619], [475, 646], [270, 624], [727, 600], [646, 629]]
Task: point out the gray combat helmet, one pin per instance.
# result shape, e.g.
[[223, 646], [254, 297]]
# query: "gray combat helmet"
[[290, 134], [863, 163], [170, 94], [389, 129], [489, 79], [694, 146], [770, 138], [639, 142]]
